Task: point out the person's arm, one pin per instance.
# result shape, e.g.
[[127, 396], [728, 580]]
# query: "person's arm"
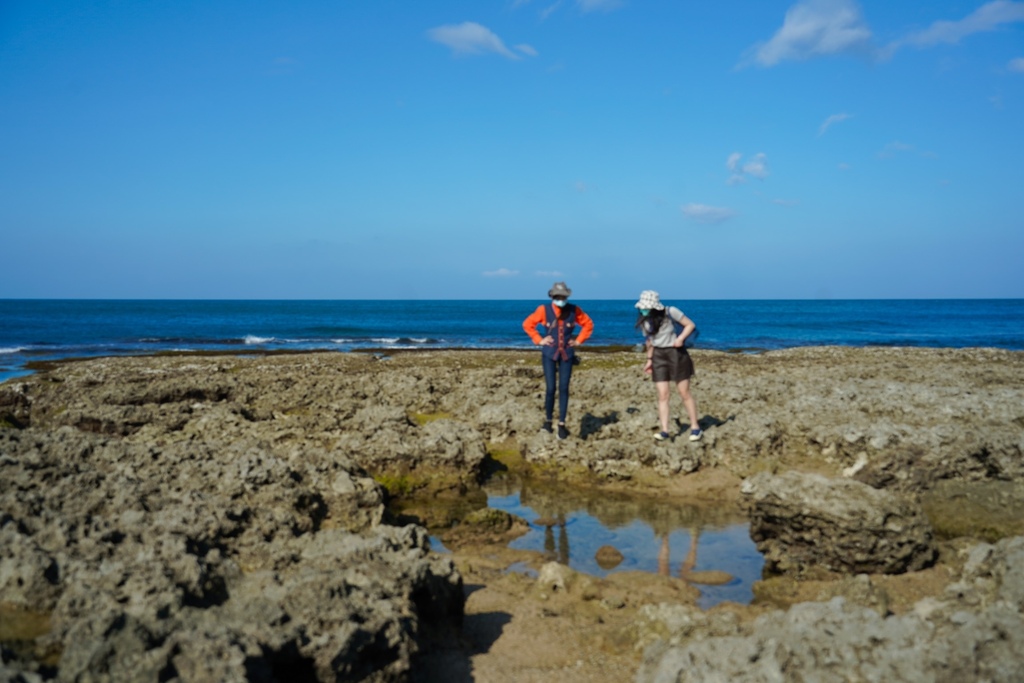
[[688, 326], [532, 321], [649, 350], [586, 327]]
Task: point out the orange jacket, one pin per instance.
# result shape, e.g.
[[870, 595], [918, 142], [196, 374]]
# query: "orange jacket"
[[539, 317]]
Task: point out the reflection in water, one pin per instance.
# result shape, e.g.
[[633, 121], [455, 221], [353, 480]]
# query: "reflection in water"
[[721, 560], [707, 577], [562, 554]]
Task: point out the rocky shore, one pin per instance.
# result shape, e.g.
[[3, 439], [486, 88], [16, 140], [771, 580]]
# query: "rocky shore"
[[215, 517]]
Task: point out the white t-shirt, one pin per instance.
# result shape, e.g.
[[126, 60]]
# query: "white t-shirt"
[[666, 334]]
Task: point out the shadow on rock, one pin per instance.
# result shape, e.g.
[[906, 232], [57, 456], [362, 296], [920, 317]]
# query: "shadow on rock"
[[592, 424], [450, 661]]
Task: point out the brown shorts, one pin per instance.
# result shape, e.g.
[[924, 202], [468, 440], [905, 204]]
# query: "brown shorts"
[[672, 365]]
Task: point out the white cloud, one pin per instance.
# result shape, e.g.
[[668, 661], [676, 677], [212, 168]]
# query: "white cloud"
[[549, 273], [756, 167], [702, 213], [843, 166], [785, 202], [1016, 65], [893, 148], [598, 5], [584, 6], [988, 17], [813, 28], [470, 38], [501, 272], [580, 186], [835, 118], [527, 50]]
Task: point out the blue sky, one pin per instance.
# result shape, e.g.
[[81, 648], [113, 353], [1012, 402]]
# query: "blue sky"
[[483, 149]]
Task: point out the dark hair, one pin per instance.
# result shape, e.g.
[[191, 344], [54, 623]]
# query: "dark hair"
[[656, 317]]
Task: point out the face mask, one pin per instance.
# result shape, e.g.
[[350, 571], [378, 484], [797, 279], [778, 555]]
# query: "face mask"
[[645, 312], [559, 302]]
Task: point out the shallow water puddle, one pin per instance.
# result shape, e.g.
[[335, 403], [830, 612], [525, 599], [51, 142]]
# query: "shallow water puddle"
[[709, 548]]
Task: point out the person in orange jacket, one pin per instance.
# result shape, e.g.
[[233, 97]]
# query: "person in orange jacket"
[[558, 320]]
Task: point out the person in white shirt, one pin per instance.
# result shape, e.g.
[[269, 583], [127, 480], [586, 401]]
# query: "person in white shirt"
[[667, 330]]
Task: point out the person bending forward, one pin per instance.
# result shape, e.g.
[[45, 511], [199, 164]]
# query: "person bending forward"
[[668, 361]]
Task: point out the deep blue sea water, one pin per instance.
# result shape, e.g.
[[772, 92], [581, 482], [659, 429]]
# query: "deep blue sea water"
[[50, 329]]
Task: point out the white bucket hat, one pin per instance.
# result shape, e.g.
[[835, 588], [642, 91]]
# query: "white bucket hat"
[[649, 299]]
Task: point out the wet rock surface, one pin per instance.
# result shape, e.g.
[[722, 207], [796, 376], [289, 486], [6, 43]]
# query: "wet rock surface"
[[205, 559], [974, 632], [892, 418], [806, 521], [223, 518]]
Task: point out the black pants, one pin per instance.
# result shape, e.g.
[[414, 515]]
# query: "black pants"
[[563, 368]]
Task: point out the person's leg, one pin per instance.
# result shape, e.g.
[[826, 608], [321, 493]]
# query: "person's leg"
[[549, 542], [663, 557], [563, 542], [663, 395], [689, 403], [691, 556], [549, 387], [564, 375]]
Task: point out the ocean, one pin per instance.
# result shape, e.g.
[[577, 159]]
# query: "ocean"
[[37, 330]]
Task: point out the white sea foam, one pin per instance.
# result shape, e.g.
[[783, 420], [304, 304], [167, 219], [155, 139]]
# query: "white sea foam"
[[12, 349], [385, 340], [420, 340], [253, 339]]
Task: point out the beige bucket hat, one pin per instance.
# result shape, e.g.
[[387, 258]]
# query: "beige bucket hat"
[[649, 299]]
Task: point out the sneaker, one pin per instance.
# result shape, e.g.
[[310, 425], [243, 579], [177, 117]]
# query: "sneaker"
[[563, 433], [662, 436], [547, 426], [696, 434]]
